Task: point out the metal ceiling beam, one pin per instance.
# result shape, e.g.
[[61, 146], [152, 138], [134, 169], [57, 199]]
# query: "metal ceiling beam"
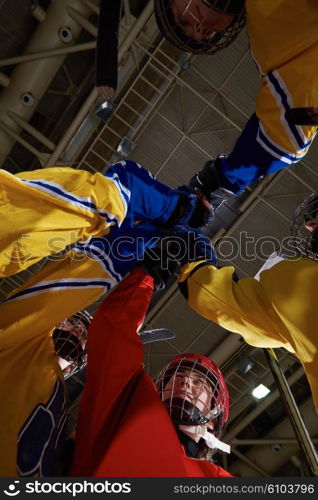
[[88, 104], [271, 457], [250, 463], [16, 137], [228, 347], [94, 8], [190, 87], [31, 130], [38, 12], [133, 128], [244, 422], [266, 441], [80, 47], [82, 20], [32, 78]]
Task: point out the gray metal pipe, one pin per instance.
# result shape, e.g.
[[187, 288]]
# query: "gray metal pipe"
[[33, 131], [80, 47], [82, 21], [16, 137], [91, 5], [296, 420], [34, 77], [264, 442], [38, 12]]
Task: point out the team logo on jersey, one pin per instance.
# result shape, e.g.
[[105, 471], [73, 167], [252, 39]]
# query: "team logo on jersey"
[[41, 435]]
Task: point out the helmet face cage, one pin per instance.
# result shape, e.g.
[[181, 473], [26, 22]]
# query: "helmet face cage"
[[305, 241], [207, 378], [70, 342], [180, 39]]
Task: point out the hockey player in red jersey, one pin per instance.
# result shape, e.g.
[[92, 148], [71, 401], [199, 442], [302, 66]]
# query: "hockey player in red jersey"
[[127, 426]]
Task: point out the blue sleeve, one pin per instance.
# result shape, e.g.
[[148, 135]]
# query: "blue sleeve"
[[249, 160], [147, 199], [119, 252]]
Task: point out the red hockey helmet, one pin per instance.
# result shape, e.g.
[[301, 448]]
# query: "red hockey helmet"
[[195, 410], [70, 342]]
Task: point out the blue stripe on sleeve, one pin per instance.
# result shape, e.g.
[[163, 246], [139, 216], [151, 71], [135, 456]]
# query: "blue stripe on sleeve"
[[72, 284], [249, 160], [286, 106], [59, 192]]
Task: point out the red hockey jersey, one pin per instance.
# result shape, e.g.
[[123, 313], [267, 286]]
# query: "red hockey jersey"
[[124, 429]]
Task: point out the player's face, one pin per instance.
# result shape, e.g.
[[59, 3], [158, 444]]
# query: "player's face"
[[76, 327], [197, 20], [191, 386], [312, 224], [70, 342]]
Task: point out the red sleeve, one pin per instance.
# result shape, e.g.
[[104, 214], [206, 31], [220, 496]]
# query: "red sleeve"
[[223, 473], [114, 348], [115, 356]]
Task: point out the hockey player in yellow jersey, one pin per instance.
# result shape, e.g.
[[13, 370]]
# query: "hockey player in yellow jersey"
[[109, 216], [283, 36], [111, 219], [34, 411], [44, 211], [279, 310]]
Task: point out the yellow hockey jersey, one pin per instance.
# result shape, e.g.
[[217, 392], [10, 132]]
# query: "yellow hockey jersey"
[[44, 211], [283, 37], [279, 310]]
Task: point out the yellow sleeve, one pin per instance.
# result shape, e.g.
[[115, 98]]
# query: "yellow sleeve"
[[241, 307], [59, 290], [44, 211], [283, 38], [79, 190], [30, 373]]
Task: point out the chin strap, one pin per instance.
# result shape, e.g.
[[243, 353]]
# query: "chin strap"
[[202, 431]]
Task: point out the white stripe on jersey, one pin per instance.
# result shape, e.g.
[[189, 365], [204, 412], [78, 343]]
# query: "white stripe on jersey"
[[83, 202], [122, 190], [62, 284], [283, 109], [282, 154], [103, 259]]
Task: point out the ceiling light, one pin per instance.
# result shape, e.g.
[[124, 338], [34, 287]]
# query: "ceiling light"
[[125, 147], [105, 111], [260, 391], [245, 365]]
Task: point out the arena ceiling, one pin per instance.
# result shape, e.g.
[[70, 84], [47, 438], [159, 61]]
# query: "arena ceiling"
[[178, 111]]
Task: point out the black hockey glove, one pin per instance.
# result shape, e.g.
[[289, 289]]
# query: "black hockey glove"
[[157, 263], [209, 181]]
